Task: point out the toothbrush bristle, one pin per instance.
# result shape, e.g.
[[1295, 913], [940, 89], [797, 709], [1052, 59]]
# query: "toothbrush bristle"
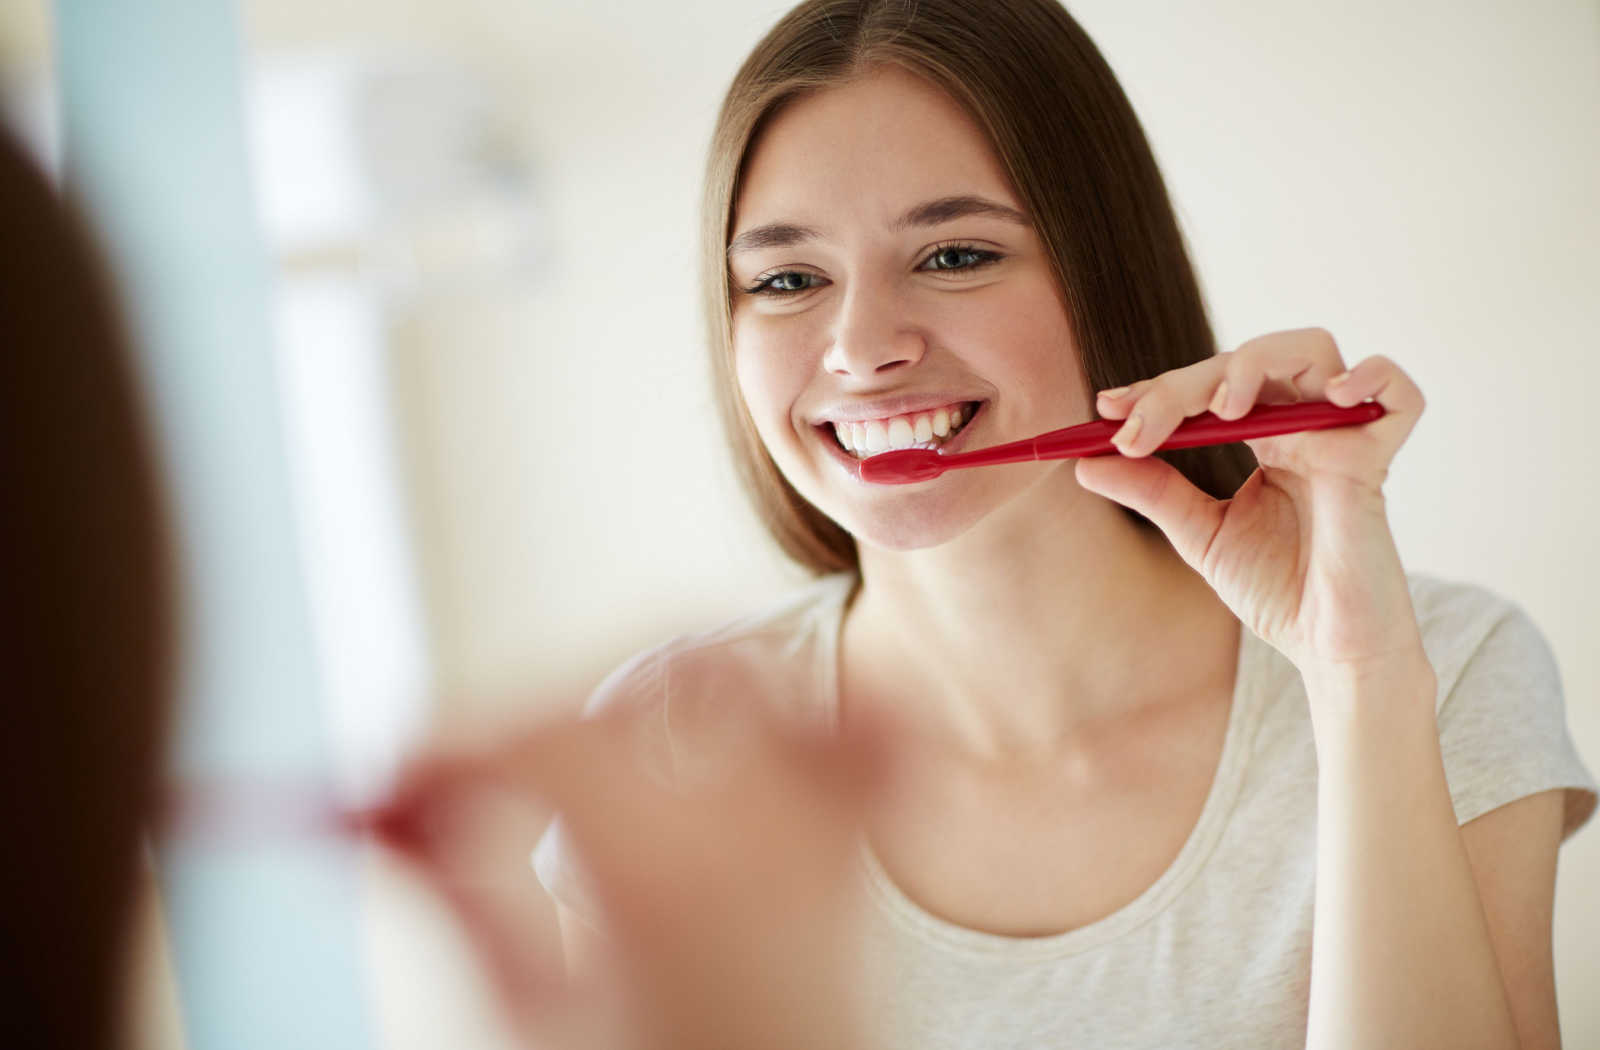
[[901, 467]]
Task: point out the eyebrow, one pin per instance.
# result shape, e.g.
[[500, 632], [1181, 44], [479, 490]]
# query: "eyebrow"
[[928, 213]]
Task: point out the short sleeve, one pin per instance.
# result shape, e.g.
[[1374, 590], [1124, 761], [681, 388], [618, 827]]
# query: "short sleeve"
[[1503, 726], [637, 685]]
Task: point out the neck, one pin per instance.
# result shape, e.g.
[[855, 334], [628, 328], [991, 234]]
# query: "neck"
[[1054, 616]]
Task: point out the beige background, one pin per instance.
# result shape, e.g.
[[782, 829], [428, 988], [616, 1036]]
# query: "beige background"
[[1418, 178]]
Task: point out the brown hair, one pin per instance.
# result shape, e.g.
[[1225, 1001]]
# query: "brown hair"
[[1076, 156], [86, 624]]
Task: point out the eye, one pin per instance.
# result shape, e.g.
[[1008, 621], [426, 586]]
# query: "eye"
[[784, 282], [951, 259], [957, 257]]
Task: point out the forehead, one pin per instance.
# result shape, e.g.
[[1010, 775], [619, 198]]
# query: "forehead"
[[864, 151]]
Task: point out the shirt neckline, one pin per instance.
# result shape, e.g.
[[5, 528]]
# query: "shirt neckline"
[[911, 917]]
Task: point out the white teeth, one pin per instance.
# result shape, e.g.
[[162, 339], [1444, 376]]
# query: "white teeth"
[[924, 430]]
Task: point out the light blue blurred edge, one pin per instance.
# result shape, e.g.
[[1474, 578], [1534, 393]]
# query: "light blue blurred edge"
[[265, 934]]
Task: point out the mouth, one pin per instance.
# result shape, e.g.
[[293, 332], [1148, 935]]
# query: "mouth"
[[930, 429]]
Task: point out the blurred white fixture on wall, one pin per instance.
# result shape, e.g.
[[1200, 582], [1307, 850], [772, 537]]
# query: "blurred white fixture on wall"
[[355, 541], [379, 180], [401, 165]]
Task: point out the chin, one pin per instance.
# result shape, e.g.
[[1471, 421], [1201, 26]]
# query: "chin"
[[910, 517], [945, 509], [912, 520]]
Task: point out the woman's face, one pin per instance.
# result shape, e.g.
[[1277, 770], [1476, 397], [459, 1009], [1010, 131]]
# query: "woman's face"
[[889, 291]]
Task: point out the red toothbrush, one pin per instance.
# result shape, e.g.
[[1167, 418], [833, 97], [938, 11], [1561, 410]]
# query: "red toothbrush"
[[1094, 439]]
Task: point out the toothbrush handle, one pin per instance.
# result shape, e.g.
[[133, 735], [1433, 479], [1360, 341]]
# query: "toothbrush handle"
[[1094, 439]]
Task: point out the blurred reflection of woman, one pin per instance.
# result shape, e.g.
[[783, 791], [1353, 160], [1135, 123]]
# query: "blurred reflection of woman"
[[1158, 716], [87, 637]]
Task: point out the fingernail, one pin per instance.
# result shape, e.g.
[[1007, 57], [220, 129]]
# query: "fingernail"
[[1341, 377], [1219, 400], [1129, 431], [1116, 392]]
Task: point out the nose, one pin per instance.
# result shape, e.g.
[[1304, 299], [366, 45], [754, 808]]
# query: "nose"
[[872, 335]]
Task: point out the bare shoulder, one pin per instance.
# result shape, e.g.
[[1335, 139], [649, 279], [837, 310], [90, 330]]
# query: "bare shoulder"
[[777, 662]]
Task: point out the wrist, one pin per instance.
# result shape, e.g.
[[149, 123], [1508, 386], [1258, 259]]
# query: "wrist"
[[1346, 696]]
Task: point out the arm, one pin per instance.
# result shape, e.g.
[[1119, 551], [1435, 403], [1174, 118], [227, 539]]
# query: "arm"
[[1513, 853], [737, 891], [1411, 909]]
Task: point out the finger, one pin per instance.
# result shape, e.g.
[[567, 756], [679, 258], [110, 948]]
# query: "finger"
[[1279, 367], [1153, 408], [1378, 378], [1285, 366], [447, 805], [1155, 488], [1157, 411], [470, 851], [452, 767], [741, 867], [498, 920], [526, 973], [1115, 403], [407, 820]]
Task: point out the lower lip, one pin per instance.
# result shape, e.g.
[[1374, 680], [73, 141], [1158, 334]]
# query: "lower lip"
[[852, 464]]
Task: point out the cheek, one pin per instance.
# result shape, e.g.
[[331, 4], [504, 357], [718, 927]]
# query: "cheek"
[[1027, 348], [771, 374]]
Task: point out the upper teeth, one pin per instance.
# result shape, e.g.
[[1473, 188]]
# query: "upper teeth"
[[922, 429]]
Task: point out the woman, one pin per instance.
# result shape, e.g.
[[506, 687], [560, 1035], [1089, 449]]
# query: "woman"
[[88, 640], [1156, 715]]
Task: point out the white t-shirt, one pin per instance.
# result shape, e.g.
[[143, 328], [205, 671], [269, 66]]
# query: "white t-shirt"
[[1217, 952]]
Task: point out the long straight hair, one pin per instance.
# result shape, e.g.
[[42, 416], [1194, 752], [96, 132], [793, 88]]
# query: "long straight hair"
[[87, 628], [1077, 158]]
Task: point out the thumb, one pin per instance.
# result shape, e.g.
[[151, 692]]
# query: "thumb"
[[1159, 491]]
